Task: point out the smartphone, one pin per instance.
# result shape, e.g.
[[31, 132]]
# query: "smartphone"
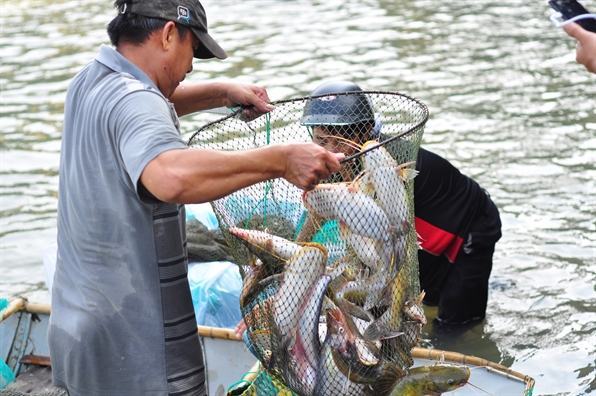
[[571, 8]]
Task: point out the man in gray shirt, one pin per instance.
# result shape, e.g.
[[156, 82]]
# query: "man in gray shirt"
[[122, 317]]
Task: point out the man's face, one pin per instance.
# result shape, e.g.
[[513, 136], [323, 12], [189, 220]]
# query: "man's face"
[[180, 60]]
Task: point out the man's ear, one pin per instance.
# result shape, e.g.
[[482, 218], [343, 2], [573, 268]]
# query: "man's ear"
[[168, 35]]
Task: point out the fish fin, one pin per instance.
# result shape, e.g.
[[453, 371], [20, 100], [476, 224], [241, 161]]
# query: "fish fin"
[[327, 304], [343, 231], [271, 278], [354, 185], [420, 297], [315, 245], [363, 184], [391, 334], [354, 373], [373, 332], [354, 310], [406, 172], [390, 374]]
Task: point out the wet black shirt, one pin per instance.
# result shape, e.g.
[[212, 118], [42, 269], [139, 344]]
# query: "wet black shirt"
[[445, 204]]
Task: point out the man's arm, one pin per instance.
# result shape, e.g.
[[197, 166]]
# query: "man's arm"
[[191, 97], [199, 175], [586, 45]]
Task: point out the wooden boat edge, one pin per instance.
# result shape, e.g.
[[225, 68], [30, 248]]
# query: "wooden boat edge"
[[21, 304]]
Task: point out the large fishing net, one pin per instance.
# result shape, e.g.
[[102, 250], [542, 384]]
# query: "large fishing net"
[[330, 295]]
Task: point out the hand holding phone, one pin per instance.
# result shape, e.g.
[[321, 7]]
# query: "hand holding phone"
[[571, 10]]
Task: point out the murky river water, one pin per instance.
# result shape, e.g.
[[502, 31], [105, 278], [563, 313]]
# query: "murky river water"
[[508, 104]]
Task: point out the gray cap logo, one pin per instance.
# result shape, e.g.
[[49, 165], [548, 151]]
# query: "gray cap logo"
[[183, 13]]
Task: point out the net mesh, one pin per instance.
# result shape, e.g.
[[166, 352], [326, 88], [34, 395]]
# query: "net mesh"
[[330, 290]]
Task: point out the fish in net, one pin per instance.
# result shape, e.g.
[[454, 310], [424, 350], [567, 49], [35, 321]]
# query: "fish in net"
[[330, 294]]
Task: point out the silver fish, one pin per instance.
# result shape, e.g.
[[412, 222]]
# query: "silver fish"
[[272, 244], [302, 271], [358, 211], [330, 380], [304, 349]]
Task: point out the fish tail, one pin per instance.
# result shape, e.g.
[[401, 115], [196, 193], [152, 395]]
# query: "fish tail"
[[407, 174], [406, 171], [354, 310], [375, 332], [420, 297]]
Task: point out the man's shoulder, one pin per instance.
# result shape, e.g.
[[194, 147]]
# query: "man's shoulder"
[[98, 86], [95, 76]]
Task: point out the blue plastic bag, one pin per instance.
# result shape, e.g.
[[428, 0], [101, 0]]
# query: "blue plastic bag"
[[6, 375], [203, 213], [215, 288], [3, 304]]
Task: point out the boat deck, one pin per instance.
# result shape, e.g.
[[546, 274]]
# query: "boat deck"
[[35, 381]]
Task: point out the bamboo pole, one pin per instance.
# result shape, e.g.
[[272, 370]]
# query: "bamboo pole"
[[22, 304], [16, 305], [456, 357], [218, 332]]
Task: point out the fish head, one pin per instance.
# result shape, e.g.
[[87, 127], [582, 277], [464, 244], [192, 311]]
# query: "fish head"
[[257, 238], [377, 156], [338, 332], [239, 232], [415, 312], [368, 144], [318, 190], [447, 377]]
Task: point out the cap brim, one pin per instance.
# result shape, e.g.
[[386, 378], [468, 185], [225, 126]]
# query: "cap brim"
[[208, 48]]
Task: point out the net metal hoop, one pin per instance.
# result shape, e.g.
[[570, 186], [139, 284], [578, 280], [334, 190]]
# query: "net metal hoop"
[[238, 111]]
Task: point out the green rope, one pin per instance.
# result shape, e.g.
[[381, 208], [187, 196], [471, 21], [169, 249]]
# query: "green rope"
[[242, 381], [268, 183]]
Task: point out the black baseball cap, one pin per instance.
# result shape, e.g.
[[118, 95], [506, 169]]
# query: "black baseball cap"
[[188, 13]]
